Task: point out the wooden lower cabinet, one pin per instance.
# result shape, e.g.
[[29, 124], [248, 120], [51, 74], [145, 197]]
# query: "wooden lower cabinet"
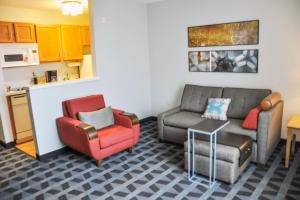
[[49, 43]]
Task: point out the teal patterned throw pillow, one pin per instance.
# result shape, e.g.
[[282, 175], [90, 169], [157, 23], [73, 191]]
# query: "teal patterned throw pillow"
[[217, 108]]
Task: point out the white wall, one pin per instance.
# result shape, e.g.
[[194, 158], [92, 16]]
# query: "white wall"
[[121, 52], [122, 65], [279, 48]]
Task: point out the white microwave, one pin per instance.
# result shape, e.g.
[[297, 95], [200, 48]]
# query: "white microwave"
[[16, 55]]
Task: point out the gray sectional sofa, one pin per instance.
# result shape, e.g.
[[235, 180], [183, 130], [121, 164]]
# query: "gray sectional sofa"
[[173, 124]]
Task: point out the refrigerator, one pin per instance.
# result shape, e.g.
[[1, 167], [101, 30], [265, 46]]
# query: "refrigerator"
[[86, 67]]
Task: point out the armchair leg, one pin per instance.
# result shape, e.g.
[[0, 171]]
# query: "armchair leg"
[[98, 163], [261, 166], [130, 150]]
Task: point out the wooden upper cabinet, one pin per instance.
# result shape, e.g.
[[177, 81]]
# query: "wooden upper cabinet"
[[24, 32], [71, 42], [49, 43], [6, 32], [85, 35]]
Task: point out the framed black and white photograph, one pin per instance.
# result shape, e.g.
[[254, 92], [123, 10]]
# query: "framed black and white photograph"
[[199, 61], [236, 61]]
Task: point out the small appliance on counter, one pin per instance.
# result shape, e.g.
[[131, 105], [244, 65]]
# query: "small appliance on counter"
[[51, 76], [16, 55]]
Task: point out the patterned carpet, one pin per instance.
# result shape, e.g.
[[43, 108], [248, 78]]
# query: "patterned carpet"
[[153, 171]]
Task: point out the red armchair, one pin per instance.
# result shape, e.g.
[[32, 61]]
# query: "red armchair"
[[101, 143]]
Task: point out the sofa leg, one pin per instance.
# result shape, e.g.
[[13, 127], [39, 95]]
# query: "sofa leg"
[[98, 163], [130, 150]]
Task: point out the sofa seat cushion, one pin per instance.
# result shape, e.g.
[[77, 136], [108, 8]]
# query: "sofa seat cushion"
[[113, 135], [225, 153], [235, 126], [183, 119]]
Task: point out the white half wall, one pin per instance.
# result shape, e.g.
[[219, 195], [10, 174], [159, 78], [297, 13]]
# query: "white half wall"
[[120, 50], [5, 126], [46, 107], [279, 48]]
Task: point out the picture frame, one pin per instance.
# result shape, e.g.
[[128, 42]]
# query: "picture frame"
[[224, 61], [224, 34]]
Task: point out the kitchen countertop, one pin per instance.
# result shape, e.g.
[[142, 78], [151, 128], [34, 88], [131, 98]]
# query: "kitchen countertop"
[[60, 83], [12, 93]]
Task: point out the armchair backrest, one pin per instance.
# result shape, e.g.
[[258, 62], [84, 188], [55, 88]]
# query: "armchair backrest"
[[83, 104]]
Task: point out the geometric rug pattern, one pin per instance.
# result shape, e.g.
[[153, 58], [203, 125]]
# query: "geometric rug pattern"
[[153, 171]]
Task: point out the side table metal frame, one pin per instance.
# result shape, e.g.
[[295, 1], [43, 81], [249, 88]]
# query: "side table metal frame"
[[212, 154]]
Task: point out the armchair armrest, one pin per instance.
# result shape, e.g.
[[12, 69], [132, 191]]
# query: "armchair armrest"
[[77, 135], [125, 119], [269, 131], [90, 131], [71, 126], [160, 120]]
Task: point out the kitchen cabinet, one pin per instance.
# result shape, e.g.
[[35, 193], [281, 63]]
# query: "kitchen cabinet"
[[85, 35], [6, 32], [71, 42], [49, 42], [24, 33]]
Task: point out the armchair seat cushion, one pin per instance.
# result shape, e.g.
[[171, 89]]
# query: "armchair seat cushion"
[[235, 126], [113, 135], [183, 119]]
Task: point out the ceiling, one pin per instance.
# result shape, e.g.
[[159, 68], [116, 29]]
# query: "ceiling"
[[36, 4], [49, 4]]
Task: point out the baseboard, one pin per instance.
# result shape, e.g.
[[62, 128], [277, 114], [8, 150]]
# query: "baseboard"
[[151, 118], [51, 154], [7, 145]]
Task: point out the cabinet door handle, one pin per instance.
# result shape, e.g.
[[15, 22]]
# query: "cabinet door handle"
[[17, 97]]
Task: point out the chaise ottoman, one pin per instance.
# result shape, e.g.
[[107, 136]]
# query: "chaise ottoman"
[[233, 155]]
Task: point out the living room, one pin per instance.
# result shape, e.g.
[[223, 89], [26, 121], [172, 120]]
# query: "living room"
[[142, 64]]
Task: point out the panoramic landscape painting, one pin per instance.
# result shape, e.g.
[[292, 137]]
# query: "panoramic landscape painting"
[[235, 33]]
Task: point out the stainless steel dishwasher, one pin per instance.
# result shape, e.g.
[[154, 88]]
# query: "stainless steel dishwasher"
[[22, 119]]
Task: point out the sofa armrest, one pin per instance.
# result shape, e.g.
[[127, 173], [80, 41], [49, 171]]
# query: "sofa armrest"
[[160, 120], [77, 135], [269, 132], [125, 119]]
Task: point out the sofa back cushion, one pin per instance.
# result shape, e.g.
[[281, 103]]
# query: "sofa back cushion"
[[72, 107], [195, 97], [243, 100]]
